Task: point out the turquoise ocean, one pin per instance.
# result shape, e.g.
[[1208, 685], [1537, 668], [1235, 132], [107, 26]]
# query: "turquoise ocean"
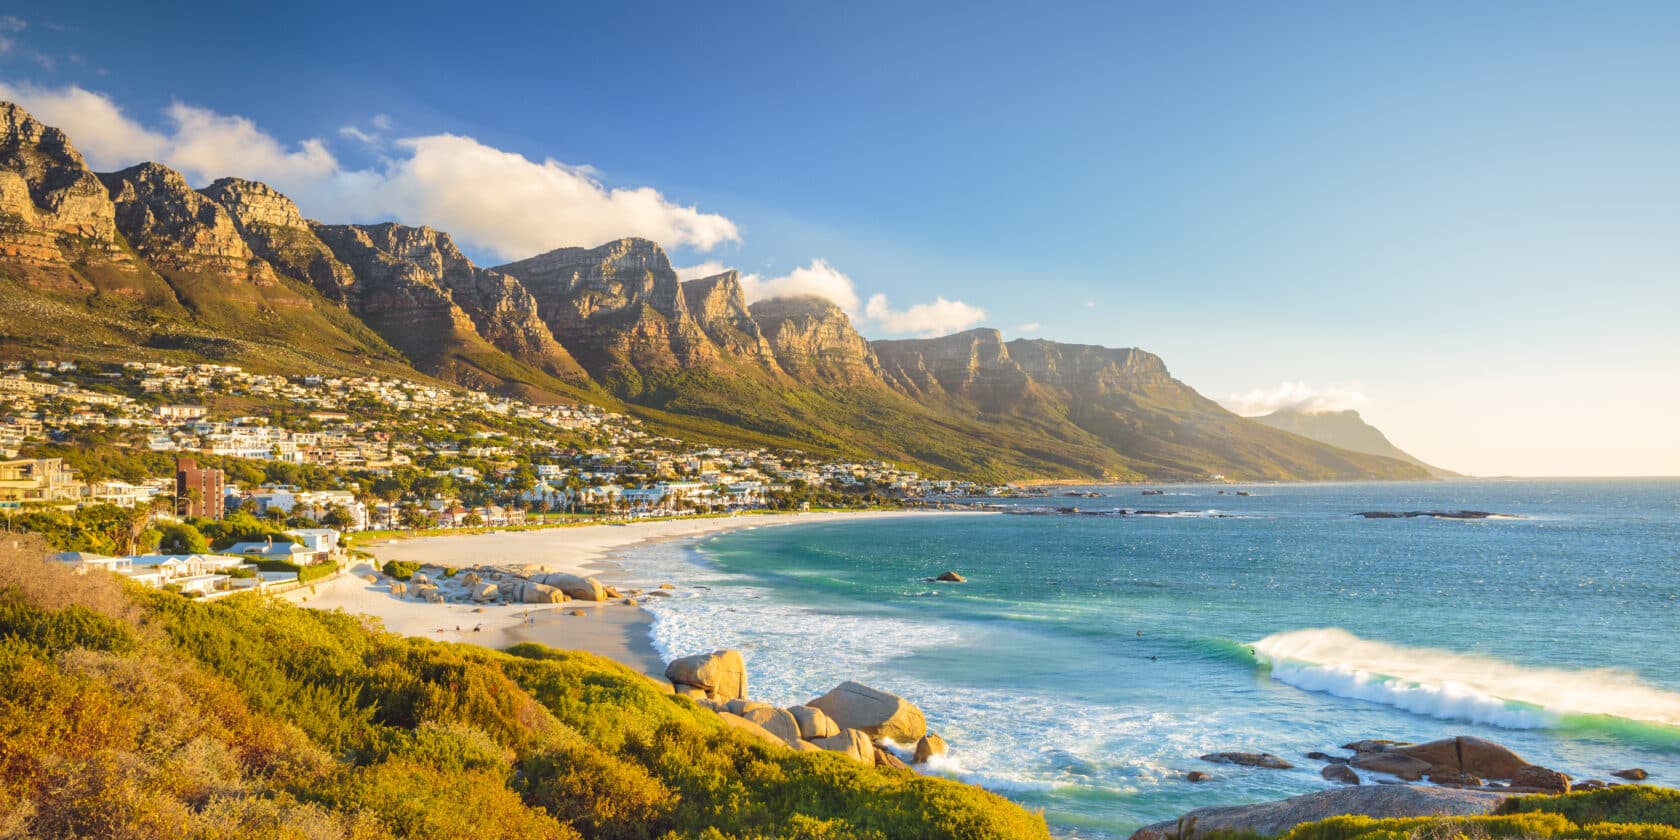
[[1091, 658]]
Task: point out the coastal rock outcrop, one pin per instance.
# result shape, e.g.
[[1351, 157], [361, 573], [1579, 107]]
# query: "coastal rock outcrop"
[[576, 586], [873, 712], [1339, 773], [813, 723], [1393, 764], [852, 742], [1249, 759], [1465, 755], [1536, 779], [722, 674], [777, 722], [929, 746], [1380, 801]]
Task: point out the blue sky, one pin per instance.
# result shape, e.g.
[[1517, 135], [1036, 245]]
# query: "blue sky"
[[1462, 221]]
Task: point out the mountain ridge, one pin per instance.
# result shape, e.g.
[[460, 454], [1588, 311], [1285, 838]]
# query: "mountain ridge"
[[138, 263]]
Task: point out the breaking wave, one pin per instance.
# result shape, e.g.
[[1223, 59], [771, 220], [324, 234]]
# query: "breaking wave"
[[1455, 686]]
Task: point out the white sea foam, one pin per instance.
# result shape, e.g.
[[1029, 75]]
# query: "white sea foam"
[[1448, 685]]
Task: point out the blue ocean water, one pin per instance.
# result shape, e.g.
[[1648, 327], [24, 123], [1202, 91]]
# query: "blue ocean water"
[[1090, 659]]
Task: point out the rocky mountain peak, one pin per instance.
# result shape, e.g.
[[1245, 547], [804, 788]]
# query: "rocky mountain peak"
[[973, 365], [617, 307], [172, 224], [719, 306], [45, 184], [253, 203], [813, 340]]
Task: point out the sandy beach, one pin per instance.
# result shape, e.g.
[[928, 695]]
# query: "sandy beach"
[[612, 630]]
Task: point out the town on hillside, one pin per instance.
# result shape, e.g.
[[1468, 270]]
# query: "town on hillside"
[[209, 479]]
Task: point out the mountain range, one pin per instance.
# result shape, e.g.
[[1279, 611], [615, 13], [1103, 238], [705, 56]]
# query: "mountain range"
[[1344, 429], [138, 264]]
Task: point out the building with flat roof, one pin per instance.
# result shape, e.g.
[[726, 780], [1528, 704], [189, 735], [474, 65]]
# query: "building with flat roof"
[[198, 491]]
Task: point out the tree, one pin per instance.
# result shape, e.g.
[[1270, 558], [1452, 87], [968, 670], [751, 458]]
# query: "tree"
[[182, 538], [338, 516]]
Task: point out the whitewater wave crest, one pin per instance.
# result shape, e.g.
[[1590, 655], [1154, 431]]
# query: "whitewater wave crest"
[[1456, 686]]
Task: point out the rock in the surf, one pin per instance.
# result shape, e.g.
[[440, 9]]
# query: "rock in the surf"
[[951, 577], [929, 746], [1466, 755], [1249, 759], [1634, 774], [876, 713], [1340, 773], [721, 673], [1197, 776], [889, 761], [1392, 764], [1380, 801]]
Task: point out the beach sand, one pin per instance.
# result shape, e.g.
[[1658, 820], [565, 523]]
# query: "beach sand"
[[612, 630]]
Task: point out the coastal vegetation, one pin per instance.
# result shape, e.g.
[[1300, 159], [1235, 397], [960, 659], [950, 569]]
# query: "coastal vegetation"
[[1626, 812], [135, 713]]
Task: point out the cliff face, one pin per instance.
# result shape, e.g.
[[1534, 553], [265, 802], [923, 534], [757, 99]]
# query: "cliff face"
[[275, 231], [501, 310], [58, 227], [720, 308], [618, 308], [814, 341], [973, 365]]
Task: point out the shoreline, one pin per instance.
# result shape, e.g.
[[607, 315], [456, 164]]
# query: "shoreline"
[[610, 629]]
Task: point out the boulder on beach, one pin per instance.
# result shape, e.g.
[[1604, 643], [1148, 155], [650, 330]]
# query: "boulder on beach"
[[1249, 759], [889, 761], [777, 722], [371, 578], [431, 595], [398, 588], [581, 588], [743, 725], [929, 746], [540, 593], [876, 713], [741, 705], [1379, 801], [852, 742], [722, 673], [419, 579], [481, 592], [1465, 755], [813, 723], [1340, 774], [471, 578], [1392, 764], [1537, 779]]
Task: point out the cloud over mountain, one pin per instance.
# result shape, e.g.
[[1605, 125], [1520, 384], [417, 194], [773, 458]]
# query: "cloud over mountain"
[[489, 198], [1298, 396]]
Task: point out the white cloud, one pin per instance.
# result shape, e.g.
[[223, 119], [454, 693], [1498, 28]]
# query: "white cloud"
[[1298, 396], [359, 135], [489, 199], [381, 122], [695, 272], [1030, 327], [11, 24], [819, 279], [924, 319]]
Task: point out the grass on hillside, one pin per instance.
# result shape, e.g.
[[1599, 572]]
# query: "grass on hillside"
[[127, 712]]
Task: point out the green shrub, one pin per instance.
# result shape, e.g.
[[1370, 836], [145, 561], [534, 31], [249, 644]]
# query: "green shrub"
[[316, 571], [399, 569], [1619, 804]]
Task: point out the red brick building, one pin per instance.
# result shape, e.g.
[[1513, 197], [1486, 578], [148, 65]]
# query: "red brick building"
[[198, 492]]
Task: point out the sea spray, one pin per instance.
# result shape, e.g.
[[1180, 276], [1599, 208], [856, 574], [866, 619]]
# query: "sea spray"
[[1457, 686]]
